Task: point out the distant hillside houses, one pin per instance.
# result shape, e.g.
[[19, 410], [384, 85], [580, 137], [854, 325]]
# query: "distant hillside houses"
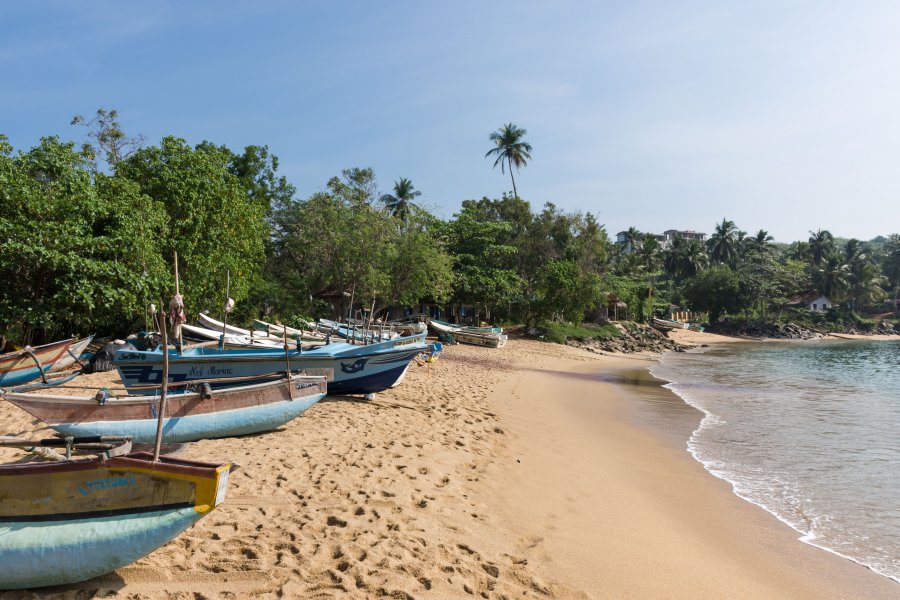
[[665, 239]]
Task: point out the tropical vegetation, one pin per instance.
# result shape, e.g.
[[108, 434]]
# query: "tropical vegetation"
[[89, 232]]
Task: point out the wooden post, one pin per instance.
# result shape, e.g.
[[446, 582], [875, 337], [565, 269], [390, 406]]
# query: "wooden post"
[[177, 291], [225, 310], [287, 361], [371, 316], [165, 387]]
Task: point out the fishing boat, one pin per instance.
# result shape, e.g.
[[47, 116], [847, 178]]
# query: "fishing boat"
[[292, 333], [491, 337], [355, 331], [218, 326], [69, 521], [30, 363], [356, 369], [202, 334], [72, 355], [667, 324], [198, 412]]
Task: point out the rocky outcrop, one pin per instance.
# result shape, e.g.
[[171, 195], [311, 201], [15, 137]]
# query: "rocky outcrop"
[[778, 331], [634, 338]]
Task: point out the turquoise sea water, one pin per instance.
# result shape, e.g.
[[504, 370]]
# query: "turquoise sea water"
[[810, 431]]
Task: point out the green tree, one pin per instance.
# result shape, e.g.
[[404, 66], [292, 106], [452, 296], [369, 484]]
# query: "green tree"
[[106, 132], [79, 250], [214, 224], [510, 149], [564, 292], [400, 203], [723, 244], [717, 290], [480, 262], [821, 246]]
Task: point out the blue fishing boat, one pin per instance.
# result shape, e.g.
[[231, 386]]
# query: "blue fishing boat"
[[354, 369], [69, 521]]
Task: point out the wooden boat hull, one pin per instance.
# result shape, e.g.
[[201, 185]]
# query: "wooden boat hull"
[[67, 522], [72, 353], [356, 369], [18, 367], [482, 336], [277, 331], [229, 412]]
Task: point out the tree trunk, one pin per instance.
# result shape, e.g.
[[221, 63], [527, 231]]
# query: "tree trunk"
[[515, 193]]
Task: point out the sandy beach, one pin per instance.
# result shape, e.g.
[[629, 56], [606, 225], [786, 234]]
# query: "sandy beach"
[[526, 472]]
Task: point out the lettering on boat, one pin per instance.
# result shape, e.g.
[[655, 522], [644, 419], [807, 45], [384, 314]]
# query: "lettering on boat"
[[216, 370], [405, 342], [105, 484], [197, 371], [132, 356]]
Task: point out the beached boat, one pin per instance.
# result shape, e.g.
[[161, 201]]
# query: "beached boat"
[[292, 333], [191, 415], [30, 363], [356, 369], [475, 336], [355, 332], [219, 326], [202, 334], [455, 327], [70, 521], [667, 324], [72, 354]]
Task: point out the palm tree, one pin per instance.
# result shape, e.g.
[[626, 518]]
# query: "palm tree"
[[685, 258], [891, 264], [821, 245], [633, 239], [694, 258], [649, 252], [510, 149], [400, 203], [760, 242], [722, 244], [832, 278]]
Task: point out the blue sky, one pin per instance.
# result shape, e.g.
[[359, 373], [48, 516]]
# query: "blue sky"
[[778, 115]]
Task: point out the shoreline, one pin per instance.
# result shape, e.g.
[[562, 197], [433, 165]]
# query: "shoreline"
[[744, 533]]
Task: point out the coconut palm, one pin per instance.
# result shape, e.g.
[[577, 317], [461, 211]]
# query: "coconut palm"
[[723, 244], [761, 242], [510, 149], [821, 245], [650, 254], [400, 203], [891, 265], [832, 279], [633, 239]]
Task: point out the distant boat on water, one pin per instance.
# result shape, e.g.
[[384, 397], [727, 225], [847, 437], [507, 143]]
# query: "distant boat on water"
[[190, 415], [70, 521], [22, 366]]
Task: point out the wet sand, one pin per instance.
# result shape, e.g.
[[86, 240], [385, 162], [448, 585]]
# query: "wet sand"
[[534, 471]]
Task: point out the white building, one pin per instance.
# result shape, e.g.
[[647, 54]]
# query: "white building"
[[665, 240], [820, 304]]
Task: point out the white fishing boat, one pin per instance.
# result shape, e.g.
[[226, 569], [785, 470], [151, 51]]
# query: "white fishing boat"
[[491, 337]]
